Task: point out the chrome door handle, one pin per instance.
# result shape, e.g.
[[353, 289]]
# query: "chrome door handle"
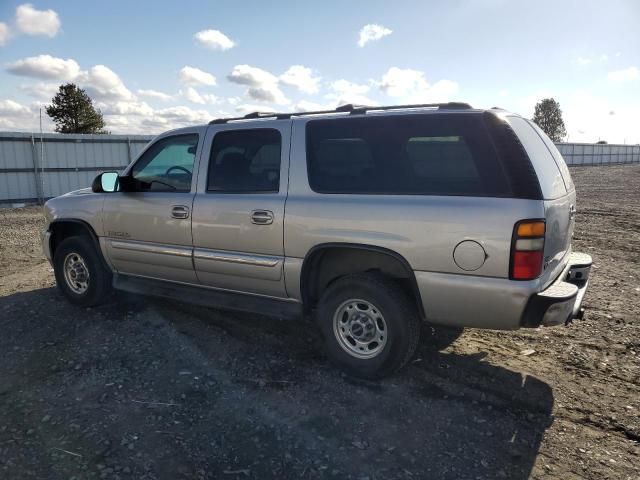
[[180, 211], [262, 217]]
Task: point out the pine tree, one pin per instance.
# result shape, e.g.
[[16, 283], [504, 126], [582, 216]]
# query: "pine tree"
[[72, 111], [548, 117]]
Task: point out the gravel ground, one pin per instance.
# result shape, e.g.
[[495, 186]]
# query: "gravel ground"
[[149, 389]]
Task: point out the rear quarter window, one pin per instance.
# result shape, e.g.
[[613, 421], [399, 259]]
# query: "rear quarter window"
[[557, 156], [431, 154], [549, 176]]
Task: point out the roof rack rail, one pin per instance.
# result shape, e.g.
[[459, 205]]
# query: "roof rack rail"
[[348, 108]]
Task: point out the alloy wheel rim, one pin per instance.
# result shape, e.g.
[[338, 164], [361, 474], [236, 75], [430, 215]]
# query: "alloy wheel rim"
[[76, 273], [360, 328]]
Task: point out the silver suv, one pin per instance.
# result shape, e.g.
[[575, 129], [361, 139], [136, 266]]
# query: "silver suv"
[[372, 219]]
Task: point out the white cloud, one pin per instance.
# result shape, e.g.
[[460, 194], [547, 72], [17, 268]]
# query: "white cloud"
[[194, 96], [624, 75], [140, 118], [99, 81], [262, 85], [10, 107], [583, 61], [154, 94], [194, 76], [398, 82], [4, 34], [344, 91], [372, 32], [184, 115], [214, 39], [45, 66], [302, 78], [125, 108], [104, 84], [250, 108], [412, 87], [37, 22], [40, 90], [15, 116], [308, 106]]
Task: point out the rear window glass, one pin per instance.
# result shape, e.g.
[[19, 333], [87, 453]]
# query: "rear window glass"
[[551, 181], [433, 154]]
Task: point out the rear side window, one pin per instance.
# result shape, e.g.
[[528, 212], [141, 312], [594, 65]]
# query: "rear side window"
[[557, 156], [431, 154], [551, 182], [245, 161]]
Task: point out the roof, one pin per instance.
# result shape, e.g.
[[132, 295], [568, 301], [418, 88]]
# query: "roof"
[[346, 109]]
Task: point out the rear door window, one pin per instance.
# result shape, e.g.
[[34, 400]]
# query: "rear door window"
[[430, 154], [547, 170], [245, 161]]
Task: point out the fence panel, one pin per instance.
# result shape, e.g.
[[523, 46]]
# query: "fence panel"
[[34, 168], [598, 154]]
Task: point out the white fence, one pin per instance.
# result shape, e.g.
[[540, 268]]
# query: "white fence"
[[34, 168], [598, 154]]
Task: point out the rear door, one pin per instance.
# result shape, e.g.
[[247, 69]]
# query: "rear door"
[[558, 193], [238, 212]]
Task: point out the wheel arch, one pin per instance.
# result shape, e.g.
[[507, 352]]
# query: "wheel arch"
[[70, 227], [315, 276]]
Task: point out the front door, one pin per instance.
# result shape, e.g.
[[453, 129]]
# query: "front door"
[[238, 212], [148, 226]]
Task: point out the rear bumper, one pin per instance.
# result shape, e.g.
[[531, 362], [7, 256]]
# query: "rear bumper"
[[561, 302]]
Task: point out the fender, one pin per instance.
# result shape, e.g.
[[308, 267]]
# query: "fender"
[[307, 264]]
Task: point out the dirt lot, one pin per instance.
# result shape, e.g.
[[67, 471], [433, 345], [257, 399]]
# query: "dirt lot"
[[148, 389]]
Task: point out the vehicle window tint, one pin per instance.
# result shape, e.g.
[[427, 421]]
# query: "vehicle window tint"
[[545, 166], [557, 156], [444, 158], [167, 165], [245, 161], [438, 154]]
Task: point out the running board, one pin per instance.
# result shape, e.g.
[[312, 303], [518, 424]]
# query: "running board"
[[207, 297]]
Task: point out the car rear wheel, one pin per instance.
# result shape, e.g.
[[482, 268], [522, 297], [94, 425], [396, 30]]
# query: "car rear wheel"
[[370, 326], [80, 272]]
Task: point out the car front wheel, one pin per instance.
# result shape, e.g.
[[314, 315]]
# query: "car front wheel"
[[80, 273]]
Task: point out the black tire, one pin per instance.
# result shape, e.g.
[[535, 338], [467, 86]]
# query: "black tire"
[[99, 281], [397, 309]]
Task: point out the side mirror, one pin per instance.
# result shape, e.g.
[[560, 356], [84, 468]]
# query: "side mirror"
[[105, 182]]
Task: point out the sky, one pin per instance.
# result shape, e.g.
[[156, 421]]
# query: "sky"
[[155, 65]]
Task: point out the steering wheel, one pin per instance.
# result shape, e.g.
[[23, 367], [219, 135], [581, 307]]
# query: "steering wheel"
[[177, 167]]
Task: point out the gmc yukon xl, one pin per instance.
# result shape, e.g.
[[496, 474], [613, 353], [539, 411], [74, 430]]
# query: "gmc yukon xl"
[[374, 220]]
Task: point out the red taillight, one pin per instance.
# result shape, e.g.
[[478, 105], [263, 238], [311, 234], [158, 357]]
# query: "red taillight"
[[527, 250], [526, 265]]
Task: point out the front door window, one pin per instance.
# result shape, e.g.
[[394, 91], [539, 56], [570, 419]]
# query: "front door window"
[[167, 166]]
